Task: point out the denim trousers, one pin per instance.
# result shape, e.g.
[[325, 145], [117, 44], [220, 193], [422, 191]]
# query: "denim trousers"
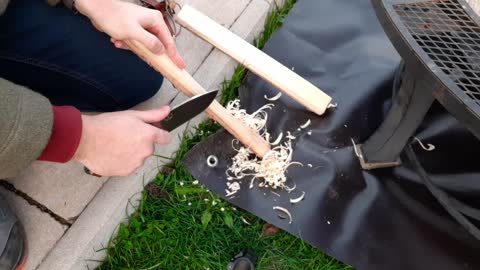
[[59, 54]]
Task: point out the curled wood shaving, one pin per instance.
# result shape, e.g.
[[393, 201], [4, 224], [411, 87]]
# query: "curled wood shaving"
[[332, 105], [306, 124], [256, 120], [278, 208], [278, 140], [429, 147], [355, 149], [276, 97], [297, 200]]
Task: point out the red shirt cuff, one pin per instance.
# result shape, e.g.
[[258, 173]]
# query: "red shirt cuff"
[[66, 135]]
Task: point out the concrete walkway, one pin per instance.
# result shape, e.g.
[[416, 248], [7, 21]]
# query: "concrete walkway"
[[70, 216]]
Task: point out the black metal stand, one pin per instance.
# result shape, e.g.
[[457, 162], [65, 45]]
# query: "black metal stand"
[[409, 107]]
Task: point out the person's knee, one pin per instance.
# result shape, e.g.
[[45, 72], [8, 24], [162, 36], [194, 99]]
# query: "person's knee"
[[141, 89]]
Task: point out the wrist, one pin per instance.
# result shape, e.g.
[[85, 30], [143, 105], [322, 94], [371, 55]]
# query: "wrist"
[[80, 153], [89, 7]]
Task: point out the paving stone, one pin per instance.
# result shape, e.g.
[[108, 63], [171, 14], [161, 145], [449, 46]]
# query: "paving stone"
[[63, 188], [275, 3], [42, 231], [94, 228], [475, 4]]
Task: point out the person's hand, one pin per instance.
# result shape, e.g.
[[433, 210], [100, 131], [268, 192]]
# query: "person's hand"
[[122, 21], [118, 143]]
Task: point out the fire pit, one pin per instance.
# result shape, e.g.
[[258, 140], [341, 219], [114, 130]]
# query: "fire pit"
[[439, 42]]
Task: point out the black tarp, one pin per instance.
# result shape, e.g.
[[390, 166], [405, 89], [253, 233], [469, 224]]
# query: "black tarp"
[[380, 219]]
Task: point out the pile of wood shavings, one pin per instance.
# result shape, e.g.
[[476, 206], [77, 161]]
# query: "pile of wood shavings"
[[255, 121], [270, 171]]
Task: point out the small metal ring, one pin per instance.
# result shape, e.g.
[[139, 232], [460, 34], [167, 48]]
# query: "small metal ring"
[[212, 161]]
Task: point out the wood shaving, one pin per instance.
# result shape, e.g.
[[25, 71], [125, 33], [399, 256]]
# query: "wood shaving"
[[276, 97], [332, 105], [274, 193], [278, 140], [429, 147], [355, 149], [245, 221], [255, 121], [290, 189], [297, 200], [278, 208], [290, 136], [306, 124], [230, 193], [270, 171]]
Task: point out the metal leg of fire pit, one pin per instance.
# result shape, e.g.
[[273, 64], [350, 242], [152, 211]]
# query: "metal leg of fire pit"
[[409, 107]]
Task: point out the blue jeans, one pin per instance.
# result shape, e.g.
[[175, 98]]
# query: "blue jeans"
[[62, 56]]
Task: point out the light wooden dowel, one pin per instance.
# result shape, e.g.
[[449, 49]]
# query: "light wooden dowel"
[[255, 60], [183, 81]]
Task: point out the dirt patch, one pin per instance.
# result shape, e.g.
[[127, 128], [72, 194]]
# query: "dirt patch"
[[155, 192]]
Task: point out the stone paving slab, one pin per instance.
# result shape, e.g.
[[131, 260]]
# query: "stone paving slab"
[[42, 231], [475, 4], [77, 249], [63, 188]]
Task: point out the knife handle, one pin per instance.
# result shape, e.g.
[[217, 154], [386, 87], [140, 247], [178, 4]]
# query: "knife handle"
[[183, 81]]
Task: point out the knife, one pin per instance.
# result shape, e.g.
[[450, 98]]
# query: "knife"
[[181, 114], [187, 110]]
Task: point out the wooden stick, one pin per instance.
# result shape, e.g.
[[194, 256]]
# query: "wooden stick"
[[255, 60], [187, 84]]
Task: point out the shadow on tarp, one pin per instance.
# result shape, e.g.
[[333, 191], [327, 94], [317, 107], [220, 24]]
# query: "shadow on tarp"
[[382, 219]]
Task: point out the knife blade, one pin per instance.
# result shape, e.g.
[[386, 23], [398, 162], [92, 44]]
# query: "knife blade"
[[187, 110]]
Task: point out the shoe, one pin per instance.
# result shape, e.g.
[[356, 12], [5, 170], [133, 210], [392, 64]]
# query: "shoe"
[[245, 260], [12, 239]]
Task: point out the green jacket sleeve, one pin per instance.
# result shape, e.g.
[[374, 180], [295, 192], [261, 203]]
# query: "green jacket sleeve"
[[26, 120]]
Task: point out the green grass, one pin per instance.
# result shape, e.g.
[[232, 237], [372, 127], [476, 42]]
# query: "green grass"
[[179, 227]]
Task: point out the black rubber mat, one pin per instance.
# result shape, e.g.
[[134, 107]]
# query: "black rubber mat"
[[381, 219]]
